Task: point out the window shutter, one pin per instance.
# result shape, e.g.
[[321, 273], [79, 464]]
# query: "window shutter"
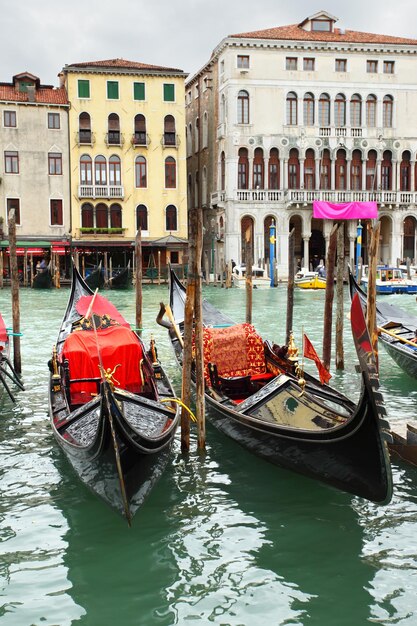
[[139, 91], [112, 90], [169, 92], [83, 88]]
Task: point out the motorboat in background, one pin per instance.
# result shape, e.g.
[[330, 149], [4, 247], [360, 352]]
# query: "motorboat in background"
[[307, 279], [389, 280], [259, 277]]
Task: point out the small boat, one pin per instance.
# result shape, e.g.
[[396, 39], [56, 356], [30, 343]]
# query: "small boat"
[[43, 278], [122, 279], [257, 394], [7, 370], [389, 280], [113, 410], [306, 279], [95, 278], [396, 330], [259, 277]]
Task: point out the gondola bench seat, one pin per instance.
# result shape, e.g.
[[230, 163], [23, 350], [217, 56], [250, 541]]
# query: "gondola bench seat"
[[234, 357]]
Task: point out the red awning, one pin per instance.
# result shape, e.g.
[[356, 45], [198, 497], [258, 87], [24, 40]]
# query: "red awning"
[[60, 247], [34, 251]]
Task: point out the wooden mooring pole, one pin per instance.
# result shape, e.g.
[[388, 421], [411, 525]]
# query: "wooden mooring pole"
[[198, 329], [138, 280], [248, 282], [340, 357], [373, 251], [328, 303], [290, 286], [14, 274]]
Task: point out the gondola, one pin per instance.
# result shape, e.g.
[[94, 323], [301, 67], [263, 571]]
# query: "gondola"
[[43, 278], [113, 410], [7, 371], [122, 279], [396, 329], [255, 395], [95, 279]]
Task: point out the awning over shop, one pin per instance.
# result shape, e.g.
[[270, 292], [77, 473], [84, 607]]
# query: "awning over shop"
[[61, 247], [170, 241], [36, 248]]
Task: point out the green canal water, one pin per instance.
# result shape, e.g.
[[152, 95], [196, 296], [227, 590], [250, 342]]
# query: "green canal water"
[[224, 538]]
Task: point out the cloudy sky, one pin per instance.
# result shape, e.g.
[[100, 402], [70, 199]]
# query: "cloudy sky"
[[43, 36]]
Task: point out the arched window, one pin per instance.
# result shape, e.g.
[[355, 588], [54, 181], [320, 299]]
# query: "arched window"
[[243, 107], [197, 135], [115, 177], [324, 110], [205, 129], [292, 109], [356, 171], [293, 170], [371, 111], [387, 111], [84, 128], [87, 216], [371, 178], [171, 218], [258, 169], [356, 111], [310, 170], [86, 170], [139, 138], [308, 109], [189, 130], [169, 130], [386, 171], [197, 189], [325, 170], [245, 224], [100, 170], [141, 217], [273, 169], [140, 172], [340, 110], [170, 173], [204, 187], [102, 216], [405, 170], [340, 170], [113, 135], [243, 169], [115, 216], [222, 172]]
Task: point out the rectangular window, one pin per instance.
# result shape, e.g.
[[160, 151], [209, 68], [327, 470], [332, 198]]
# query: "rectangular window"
[[55, 163], [112, 90], [321, 25], [291, 63], [340, 65], [372, 67], [243, 61], [308, 65], [14, 203], [56, 213], [11, 162], [139, 91], [169, 92], [54, 121], [9, 119], [83, 88], [388, 67]]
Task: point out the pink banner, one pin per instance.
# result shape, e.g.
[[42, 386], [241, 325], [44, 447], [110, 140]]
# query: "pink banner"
[[345, 210]]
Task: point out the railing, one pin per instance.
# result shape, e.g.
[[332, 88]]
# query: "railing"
[[170, 140], [101, 191], [140, 139], [217, 197], [307, 196], [84, 231], [85, 138], [259, 195], [114, 138]]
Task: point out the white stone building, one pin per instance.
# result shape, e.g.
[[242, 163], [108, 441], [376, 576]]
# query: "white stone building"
[[301, 113]]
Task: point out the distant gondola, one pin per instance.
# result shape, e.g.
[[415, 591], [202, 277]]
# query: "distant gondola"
[[122, 279], [113, 410], [255, 396], [95, 279]]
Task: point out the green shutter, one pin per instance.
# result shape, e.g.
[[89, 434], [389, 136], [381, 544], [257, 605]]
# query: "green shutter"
[[112, 90], [139, 91], [169, 92], [83, 88]]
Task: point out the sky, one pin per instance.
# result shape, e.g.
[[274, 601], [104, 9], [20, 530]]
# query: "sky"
[[42, 37]]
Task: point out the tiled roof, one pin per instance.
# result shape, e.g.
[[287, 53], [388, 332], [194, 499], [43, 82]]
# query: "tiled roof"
[[43, 95], [294, 32], [122, 64]]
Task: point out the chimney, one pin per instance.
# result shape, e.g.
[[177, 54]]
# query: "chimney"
[[31, 93]]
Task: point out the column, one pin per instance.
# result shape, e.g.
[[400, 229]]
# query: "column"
[[306, 241], [412, 175], [351, 250], [302, 173], [333, 174], [364, 175], [284, 179], [317, 175], [348, 174]]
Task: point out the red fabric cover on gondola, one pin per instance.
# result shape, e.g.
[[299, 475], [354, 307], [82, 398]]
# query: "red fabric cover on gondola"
[[236, 350], [3, 331], [118, 345], [101, 306]]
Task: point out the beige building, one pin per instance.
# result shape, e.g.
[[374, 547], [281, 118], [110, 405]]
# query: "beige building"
[[307, 112], [34, 176], [128, 160]]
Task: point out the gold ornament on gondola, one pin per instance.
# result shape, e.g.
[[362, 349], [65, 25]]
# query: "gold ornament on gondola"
[[292, 350]]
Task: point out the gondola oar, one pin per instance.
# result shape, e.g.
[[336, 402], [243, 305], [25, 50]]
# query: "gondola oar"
[[391, 334], [174, 325]]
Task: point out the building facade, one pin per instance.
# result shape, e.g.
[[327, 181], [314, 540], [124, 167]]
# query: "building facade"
[[301, 113], [34, 176], [127, 160]]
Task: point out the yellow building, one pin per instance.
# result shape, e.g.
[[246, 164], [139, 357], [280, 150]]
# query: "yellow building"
[[127, 161]]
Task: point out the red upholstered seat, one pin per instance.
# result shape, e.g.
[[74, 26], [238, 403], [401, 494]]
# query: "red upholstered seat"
[[236, 350], [118, 345]]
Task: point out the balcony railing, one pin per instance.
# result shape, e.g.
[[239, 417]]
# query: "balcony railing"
[[114, 138], [170, 140], [84, 231], [307, 196], [85, 138], [101, 191], [140, 139]]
